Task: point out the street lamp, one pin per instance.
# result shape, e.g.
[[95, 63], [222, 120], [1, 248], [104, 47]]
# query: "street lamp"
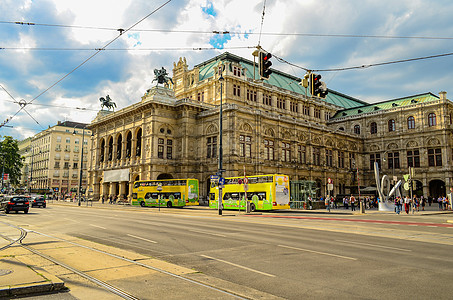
[[220, 170], [81, 162]]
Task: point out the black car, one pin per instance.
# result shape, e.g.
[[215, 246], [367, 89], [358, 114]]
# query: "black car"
[[15, 203], [38, 202]]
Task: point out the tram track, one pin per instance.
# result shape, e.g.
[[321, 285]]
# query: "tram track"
[[111, 288]]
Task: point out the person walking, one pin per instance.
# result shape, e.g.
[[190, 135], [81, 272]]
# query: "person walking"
[[352, 203], [407, 202], [422, 202], [397, 205], [327, 203]]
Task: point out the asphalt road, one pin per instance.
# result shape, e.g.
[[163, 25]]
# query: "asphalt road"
[[341, 257]]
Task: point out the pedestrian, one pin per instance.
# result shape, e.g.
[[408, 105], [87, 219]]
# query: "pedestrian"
[[103, 199], [327, 204], [352, 199], [422, 202], [397, 205], [346, 202], [407, 202], [439, 202]]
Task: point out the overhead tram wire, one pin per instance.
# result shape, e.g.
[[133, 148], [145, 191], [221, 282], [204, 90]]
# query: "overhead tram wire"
[[236, 32], [86, 60], [127, 49], [363, 66]]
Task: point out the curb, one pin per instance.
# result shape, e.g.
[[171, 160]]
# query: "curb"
[[51, 284]]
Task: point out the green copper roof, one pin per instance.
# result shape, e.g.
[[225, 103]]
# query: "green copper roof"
[[388, 104], [277, 78]]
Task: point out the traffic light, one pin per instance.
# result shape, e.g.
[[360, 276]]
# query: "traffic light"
[[317, 87], [265, 65]]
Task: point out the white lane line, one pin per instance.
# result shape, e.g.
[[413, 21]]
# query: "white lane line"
[[374, 245], [317, 252], [98, 226], [140, 238], [239, 266], [205, 232]]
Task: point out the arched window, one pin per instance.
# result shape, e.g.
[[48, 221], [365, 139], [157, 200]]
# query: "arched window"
[[138, 151], [357, 129], [128, 144], [392, 126], [373, 128], [411, 122], [432, 119], [110, 150], [119, 142], [102, 150]]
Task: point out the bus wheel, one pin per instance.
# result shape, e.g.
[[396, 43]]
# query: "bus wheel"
[[169, 204], [252, 207], [142, 204]]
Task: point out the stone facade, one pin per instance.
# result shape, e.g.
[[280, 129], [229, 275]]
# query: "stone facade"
[[269, 127]]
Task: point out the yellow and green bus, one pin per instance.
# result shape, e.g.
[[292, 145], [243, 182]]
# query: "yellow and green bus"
[[166, 192], [265, 192]]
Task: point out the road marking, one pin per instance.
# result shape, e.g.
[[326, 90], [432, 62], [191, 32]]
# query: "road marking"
[[98, 226], [374, 245], [140, 238], [317, 252], [205, 232], [239, 266]]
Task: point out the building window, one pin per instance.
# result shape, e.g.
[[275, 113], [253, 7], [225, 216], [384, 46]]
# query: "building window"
[[317, 113], [236, 90], [286, 152], [375, 158], [281, 103], [357, 129], [352, 163], [435, 157], [245, 146], [413, 158], [169, 149], [267, 99], [373, 128], [237, 71], [302, 154], [251, 95], [269, 148], [211, 146], [293, 106], [327, 115], [200, 96], [432, 119], [57, 165], [393, 159], [329, 158], [58, 139], [76, 141], [66, 165], [410, 122], [68, 140], [340, 159], [160, 148], [316, 156], [75, 165], [392, 126], [306, 110]]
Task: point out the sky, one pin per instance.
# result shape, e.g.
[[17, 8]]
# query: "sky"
[[55, 68]]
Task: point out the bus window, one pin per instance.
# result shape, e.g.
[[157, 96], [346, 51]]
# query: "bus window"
[[177, 195], [261, 196], [148, 196], [134, 195], [212, 196]]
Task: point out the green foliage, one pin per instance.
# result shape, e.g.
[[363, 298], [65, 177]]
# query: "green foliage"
[[11, 162]]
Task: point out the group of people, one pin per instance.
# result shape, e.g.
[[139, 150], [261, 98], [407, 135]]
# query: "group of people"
[[349, 202], [415, 204]]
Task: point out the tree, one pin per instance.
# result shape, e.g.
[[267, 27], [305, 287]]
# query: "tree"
[[11, 162]]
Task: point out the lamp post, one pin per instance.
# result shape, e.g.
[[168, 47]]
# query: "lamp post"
[[220, 170], [81, 163]]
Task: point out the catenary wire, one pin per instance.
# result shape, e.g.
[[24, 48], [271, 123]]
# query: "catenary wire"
[[238, 32]]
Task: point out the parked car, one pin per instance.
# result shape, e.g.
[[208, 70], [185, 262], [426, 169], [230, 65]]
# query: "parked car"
[[15, 203], [38, 202]]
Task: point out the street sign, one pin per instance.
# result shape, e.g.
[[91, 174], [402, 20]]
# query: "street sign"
[[222, 181], [329, 180], [214, 178], [330, 186]]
